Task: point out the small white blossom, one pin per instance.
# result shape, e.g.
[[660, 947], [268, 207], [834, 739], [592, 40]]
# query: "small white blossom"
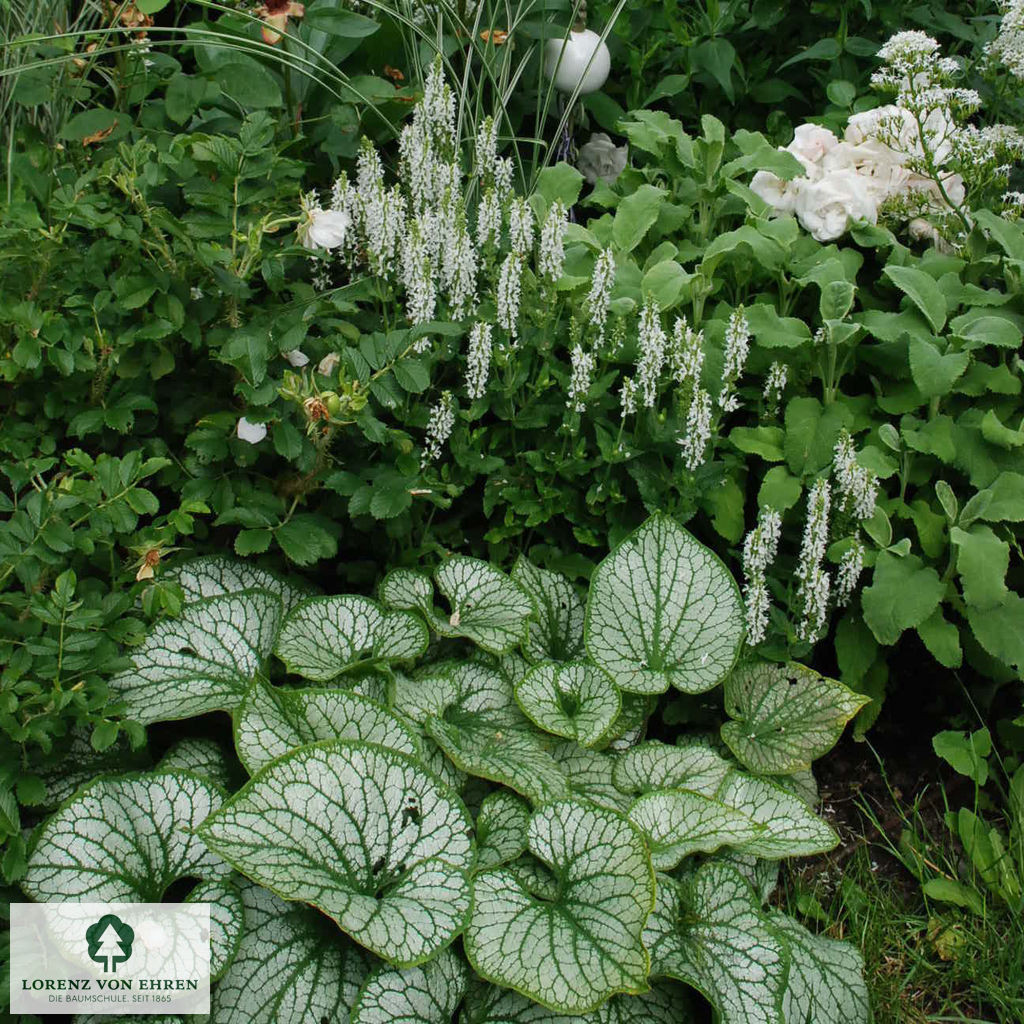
[[509, 284], [851, 565], [775, 383], [759, 549], [814, 584], [627, 397], [458, 268], [520, 226], [487, 148], [858, 486], [583, 364], [439, 427], [651, 352], [478, 361], [488, 219], [195, 293], [417, 276], [251, 432], [323, 229], [551, 252], [694, 441], [686, 352], [737, 347], [815, 592], [599, 299]]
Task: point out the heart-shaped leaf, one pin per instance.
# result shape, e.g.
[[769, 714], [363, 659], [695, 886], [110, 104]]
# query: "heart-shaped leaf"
[[589, 774], [500, 829], [678, 823], [202, 661], [326, 636], [556, 629], [362, 832], [785, 716], [124, 839], [429, 994], [200, 756], [710, 933], [216, 576], [934, 372], [693, 764], [605, 892], [407, 589], [663, 610], [576, 700], [826, 977], [272, 721], [292, 967], [791, 829]]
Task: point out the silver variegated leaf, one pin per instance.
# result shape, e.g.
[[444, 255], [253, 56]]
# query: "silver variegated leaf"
[[791, 829], [65, 770], [663, 611], [217, 576], [326, 636], [201, 756], [573, 952], [711, 933], [678, 822], [630, 727], [293, 967], [407, 589], [500, 829], [227, 921], [202, 661], [124, 839], [556, 628], [428, 994], [590, 774], [826, 977], [362, 832], [785, 716], [272, 721], [694, 764], [762, 874], [576, 700]]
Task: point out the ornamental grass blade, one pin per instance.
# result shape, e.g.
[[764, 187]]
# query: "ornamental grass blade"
[[785, 716], [694, 764], [575, 951], [428, 994], [365, 834], [326, 636], [202, 661], [678, 823], [577, 701], [710, 932], [663, 611], [556, 628], [292, 967], [124, 839], [272, 721]]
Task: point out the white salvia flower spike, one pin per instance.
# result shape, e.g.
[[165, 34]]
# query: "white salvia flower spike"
[[583, 364], [439, 427], [760, 547], [651, 352], [478, 360], [694, 442]]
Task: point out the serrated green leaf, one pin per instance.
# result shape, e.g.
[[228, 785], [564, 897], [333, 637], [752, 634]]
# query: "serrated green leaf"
[[785, 716], [217, 576], [826, 977], [695, 765], [636, 215], [982, 561], [203, 661], [711, 934], [325, 636], [663, 610], [923, 290], [365, 834], [271, 721], [935, 373], [201, 756], [678, 822], [577, 701], [791, 829], [556, 628], [293, 966], [903, 593], [511, 935], [429, 994], [124, 839]]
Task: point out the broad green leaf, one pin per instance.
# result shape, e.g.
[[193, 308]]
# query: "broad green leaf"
[[124, 839], [201, 756], [589, 773], [663, 610], [678, 822], [216, 576], [791, 829], [577, 701], [468, 709], [710, 933], [826, 977], [636, 215], [903, 593], [666, 1003], [948, 890], [605, 893], [500, 829], [326, 636], [202, 661], [923, 290], [785, 716], [293, 967], [982, 561], [935, 373], [365, 834], [1000, 630], [271, 721], [428, 994], [966, 752], [695, 765], [556, 628]]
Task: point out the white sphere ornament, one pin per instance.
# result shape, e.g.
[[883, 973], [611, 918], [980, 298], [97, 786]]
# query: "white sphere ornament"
[[566, 62]]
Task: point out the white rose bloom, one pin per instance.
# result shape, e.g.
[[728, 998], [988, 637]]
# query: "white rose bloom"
[[826, 207], [773, 190], [899, 127], [251, 432], [810, 144], [324, 229], [296, 357]]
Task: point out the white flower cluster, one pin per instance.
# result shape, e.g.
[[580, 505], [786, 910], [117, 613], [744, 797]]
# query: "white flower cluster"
[[651, 352], [737, 347], [1008, 46], [686, 353], [857, 486], [694, 441], [599, 299], [583, 364], [478, 360], [775, 384], [760, 547], [814, 583], [851, 565], [439, 427]]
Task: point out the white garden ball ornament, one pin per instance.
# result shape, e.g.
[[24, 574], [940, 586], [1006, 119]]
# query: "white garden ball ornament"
[[581, 49]]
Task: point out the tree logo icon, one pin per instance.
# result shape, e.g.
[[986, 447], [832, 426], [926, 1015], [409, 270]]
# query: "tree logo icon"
[[110, 942]]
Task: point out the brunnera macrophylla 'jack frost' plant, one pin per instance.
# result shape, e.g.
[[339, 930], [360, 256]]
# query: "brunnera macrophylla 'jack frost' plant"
[[464, 756]]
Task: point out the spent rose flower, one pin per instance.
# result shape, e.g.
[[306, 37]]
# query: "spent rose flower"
[[826, 207], [251, 432], [324, 229], [296, 357], [601, 160]]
